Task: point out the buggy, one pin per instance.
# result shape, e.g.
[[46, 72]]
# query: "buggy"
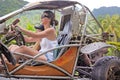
[[81, 50]]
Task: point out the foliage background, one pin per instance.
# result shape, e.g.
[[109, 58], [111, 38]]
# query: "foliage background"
[[110, 21], [7, 6]]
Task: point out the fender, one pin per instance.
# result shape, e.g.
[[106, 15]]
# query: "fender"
[[91, 48]]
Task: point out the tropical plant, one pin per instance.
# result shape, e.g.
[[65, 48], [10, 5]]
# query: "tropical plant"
[[114, 51], [111, 24]]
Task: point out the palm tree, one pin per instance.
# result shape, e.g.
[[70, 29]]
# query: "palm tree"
[[111, 24]]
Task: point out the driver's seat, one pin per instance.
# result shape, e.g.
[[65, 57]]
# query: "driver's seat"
[[63, 39], [65, 31]]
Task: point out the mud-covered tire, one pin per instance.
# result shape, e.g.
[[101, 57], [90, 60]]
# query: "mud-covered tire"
[[106, 68], [5, 51]]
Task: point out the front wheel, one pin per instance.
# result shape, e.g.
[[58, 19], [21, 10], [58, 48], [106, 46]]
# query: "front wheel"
[[106, 68]]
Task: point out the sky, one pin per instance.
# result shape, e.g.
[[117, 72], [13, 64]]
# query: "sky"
[[93, 4]]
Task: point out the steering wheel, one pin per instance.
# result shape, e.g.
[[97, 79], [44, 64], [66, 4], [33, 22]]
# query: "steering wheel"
[[9, 56], [14, 34], [19, 37]]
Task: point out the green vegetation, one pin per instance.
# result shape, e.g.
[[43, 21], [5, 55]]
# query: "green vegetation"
[[28, 19], [114, 51], [111, 24], [7, 6]]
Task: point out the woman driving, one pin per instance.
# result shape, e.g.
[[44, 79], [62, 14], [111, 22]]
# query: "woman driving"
[[47, 38]]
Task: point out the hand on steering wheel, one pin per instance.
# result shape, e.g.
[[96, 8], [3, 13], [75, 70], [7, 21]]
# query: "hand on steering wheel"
[[15, 35]]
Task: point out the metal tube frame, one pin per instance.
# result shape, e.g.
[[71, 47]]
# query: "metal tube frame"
[[71, 76]]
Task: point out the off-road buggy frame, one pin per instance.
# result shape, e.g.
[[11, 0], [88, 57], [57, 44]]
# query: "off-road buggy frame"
[[80, 53]]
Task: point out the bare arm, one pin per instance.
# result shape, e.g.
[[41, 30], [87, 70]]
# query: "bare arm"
[[49, 33], [39, 35], [31, 39]]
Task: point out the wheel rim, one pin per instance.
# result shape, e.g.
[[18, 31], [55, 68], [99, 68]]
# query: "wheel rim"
[[113, 73]]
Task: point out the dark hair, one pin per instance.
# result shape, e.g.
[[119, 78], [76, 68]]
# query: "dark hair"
[[40, 27], [52, 17]]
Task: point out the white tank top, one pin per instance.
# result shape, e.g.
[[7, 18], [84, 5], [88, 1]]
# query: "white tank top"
[[48, 44]]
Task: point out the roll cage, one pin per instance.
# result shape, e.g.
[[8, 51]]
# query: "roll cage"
[[74, 34]]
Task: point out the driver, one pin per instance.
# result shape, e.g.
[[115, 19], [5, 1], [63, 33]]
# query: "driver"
[[47, 38]]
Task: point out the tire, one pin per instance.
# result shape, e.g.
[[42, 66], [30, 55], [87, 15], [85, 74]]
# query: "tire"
[[106, 68]]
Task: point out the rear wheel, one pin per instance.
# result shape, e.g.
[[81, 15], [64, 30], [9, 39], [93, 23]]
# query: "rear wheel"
[[106, 68]]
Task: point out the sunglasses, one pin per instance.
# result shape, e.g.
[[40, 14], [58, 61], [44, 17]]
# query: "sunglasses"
[[44, 15]]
